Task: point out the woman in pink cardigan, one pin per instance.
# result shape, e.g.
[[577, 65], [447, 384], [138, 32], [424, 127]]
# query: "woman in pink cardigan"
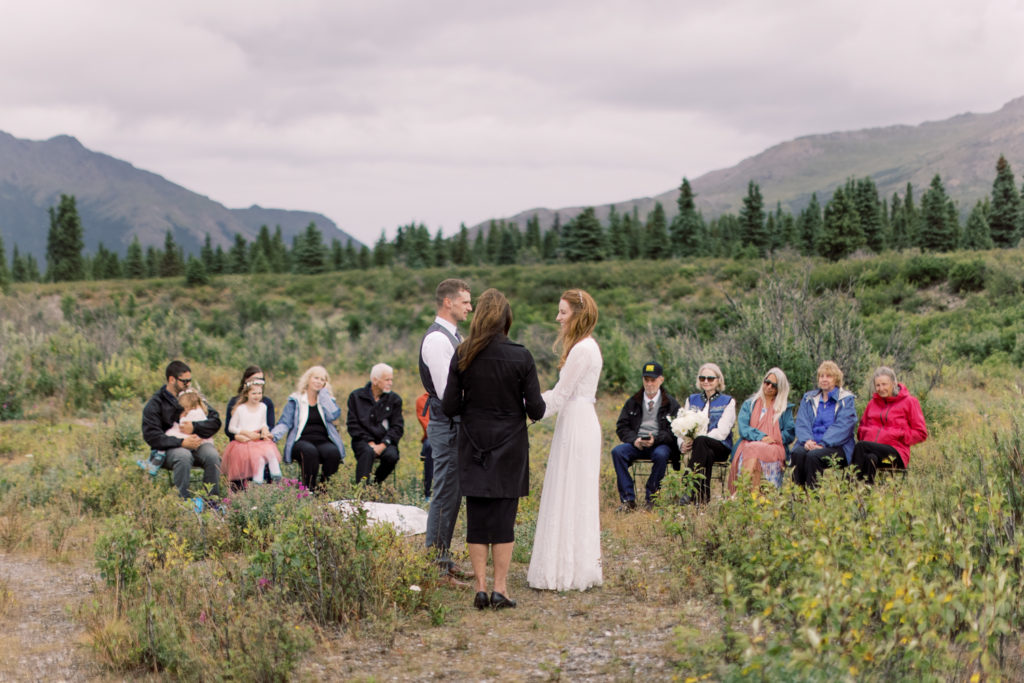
[[891, 424]]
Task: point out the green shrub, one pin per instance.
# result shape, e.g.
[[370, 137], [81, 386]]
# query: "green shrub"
[[967, 276], [925, 270]]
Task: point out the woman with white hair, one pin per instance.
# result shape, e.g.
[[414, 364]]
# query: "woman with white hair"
[[716, 445], [308, 420], [766, 429], [891, 424]]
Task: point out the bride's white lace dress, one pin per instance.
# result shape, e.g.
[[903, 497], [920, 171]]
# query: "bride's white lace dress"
[[567, 544]]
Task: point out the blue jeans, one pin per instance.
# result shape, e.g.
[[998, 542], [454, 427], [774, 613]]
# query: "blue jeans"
[[447, 498], [625, 454]]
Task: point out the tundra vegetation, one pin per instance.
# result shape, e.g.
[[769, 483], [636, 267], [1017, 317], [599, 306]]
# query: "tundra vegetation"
[[918, 578]]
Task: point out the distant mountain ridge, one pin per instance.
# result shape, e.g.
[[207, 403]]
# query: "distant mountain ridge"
[[962, 149], [117, 201]]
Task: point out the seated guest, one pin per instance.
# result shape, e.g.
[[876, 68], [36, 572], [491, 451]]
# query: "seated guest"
[[766, 430], [375, 424], [644, 430], [253, 373], [308, 421], [824, 427], [426, 452], [716, 445], [161, 412], [891, 424]]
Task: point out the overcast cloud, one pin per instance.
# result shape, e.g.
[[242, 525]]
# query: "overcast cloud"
[[379, 113]]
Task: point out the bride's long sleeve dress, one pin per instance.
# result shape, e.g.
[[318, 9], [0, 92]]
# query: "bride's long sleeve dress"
[[567, 544]]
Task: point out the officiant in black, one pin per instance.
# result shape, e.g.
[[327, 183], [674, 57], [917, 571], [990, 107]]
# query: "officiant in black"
[[493, 385]]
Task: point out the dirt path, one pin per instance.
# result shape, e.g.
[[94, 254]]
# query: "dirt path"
[[623, 630], [41, 641]]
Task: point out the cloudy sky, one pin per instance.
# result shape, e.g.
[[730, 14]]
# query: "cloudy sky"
[[378, 113]]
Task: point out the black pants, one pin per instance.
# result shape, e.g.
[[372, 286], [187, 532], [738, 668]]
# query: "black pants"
[[808, 465], [868, 456], [314, 457], [706, 452], [364, 461], [427, 457]]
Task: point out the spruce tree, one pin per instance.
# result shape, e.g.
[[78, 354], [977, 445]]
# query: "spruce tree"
[[911, 219], [365, 259], [939, 226], [461, 255], [337, 260], [583, 239], [809, 227], [656, 243], [508, 251], [687, 229], [32, 272], [865, 198], [479, 253], [238, 255], [106, 265], [752, 220], [494, 236], [170, 262], [1005, 214], [220, 262], [351, 257], [533, 232], [977, 234], [5, 272], [206, 254], [441, 250], [897, 224], [840, 231], [258, 264], [309, 256], [382, 251], [152, 261], [280, 259], [264, 243], [134, 263], [196, 273], [64, 242]]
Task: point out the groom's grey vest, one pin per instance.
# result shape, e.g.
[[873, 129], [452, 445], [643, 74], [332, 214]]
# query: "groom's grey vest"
[[428, 383]]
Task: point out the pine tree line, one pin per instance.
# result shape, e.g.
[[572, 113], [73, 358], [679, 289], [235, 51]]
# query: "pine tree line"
[[853, 218]]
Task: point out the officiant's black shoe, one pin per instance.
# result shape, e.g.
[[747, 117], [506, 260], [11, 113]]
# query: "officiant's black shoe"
[[499, 601], [481, 600], [627, 506]]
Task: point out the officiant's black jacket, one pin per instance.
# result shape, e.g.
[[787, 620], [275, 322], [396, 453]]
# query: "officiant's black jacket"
[[632, 415], [494, 396]]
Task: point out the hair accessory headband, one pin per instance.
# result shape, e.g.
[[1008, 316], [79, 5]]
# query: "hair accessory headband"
[[255, 382], [580, 293], [189, 390]]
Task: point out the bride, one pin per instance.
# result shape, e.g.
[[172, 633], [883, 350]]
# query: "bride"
[[567, 544]]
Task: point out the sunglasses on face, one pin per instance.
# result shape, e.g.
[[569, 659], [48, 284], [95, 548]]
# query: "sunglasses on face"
[[702, 378], [769, 383], [186, 382]]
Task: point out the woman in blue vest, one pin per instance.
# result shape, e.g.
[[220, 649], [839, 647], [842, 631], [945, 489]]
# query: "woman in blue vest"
[[825, 422], [716, 445]]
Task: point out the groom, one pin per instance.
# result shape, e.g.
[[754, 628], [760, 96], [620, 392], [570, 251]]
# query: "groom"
[[436, 351]]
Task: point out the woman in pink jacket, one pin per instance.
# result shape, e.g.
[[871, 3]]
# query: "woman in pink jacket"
[[891, 424]]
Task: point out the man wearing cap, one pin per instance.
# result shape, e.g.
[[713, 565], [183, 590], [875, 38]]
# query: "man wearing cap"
[[644, 430]]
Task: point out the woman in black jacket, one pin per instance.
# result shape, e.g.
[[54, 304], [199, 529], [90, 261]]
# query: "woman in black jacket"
[[492, 384]]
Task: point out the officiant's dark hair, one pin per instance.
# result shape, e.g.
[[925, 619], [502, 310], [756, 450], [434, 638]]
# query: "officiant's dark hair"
[[493, 316], [580, 325]]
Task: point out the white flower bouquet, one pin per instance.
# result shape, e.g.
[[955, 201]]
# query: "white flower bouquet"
[[689, 424]]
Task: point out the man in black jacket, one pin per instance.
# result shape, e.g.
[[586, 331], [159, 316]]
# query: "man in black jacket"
[[375, 424], [160, 414], [644, 430]]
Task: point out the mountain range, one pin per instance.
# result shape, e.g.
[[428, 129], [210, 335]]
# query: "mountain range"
[[117, 202], [962, 149]]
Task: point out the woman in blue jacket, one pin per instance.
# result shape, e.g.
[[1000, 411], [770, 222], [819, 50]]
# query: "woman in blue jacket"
[[308, 420], [825, 423], [716, 445], [766, 430]]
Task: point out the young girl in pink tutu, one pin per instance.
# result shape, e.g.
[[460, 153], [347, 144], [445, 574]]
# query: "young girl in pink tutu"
[[252, 447]]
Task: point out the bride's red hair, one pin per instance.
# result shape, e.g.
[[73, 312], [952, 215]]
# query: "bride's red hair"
[[580, 324]]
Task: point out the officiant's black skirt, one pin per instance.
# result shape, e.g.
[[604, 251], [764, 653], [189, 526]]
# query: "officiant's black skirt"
[[491, 520]]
